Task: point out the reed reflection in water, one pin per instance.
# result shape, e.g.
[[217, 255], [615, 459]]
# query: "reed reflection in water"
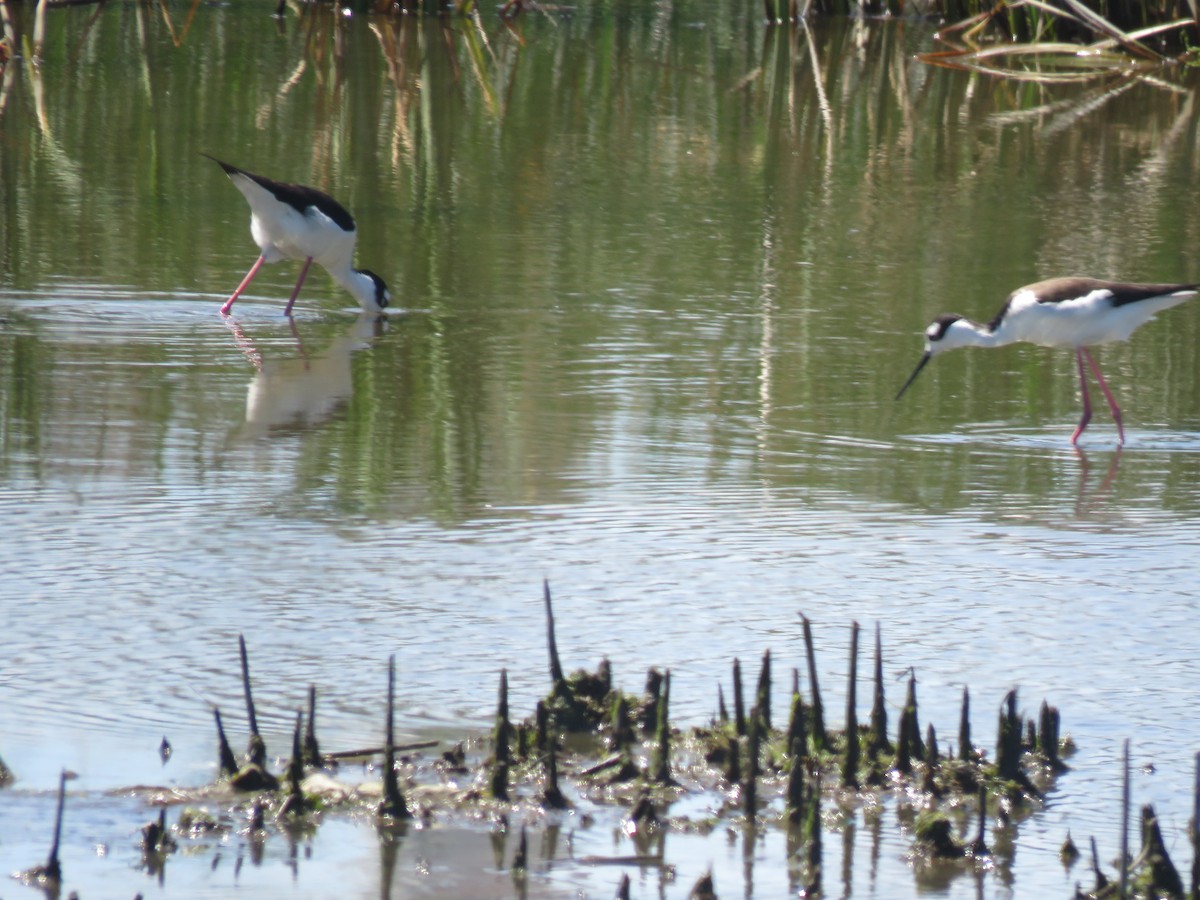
[[659, 272]]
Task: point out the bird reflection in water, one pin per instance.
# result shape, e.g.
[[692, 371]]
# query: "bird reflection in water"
[[304, 391], [1090, 498]]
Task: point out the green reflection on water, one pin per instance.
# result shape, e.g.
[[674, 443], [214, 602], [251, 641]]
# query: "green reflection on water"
[[632, 243]]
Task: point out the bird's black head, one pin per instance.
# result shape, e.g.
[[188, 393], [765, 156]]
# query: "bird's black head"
[[382, 296], [938, 327], [935, 334]]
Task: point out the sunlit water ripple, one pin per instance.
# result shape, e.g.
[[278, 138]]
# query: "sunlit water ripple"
[[644, 351]]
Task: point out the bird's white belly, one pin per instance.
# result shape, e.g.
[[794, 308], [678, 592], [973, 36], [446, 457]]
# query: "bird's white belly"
[[1073, 328], [1085, 322], [292, 235]]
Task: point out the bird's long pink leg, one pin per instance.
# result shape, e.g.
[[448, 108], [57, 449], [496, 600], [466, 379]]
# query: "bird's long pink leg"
[[1083, 389], [241, 287], [287, 311], [1112, 403]]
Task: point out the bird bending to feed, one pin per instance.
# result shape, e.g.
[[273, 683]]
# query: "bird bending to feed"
[[1062, 312], [291, 221]]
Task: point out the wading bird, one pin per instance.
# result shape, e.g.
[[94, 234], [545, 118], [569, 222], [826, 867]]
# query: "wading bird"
[[1062, 312], [291, 221]]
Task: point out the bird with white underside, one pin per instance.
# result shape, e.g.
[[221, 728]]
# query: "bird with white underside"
[[1072, 312], [292, 221]]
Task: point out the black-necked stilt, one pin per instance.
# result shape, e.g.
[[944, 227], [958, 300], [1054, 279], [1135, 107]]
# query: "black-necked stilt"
[[291, 221], [1062, 312]]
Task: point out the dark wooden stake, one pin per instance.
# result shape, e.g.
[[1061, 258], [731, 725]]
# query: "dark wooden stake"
[[296, 763], [295, 804], [1123, 872], [1155, 861], [225, 753], [1008, 740], [739, 704], [916, 745], [662, 756], [393, 805], [312, 750], [819, 738], [552, 796], [877, 741], [49, 876], [621, 736], [1068, 852], [1101, 879], [850, 760], [52, 871], [653, 691], [797, 735], [753, 749], [604, 677], [556, 672], [541, 736], [762, 695], [903, 759], [1049, 723], [522, 730], [929, 778], [964, 728], [1195, 833], [256, 753], [502, 732]]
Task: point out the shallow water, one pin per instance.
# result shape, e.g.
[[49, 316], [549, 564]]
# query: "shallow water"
[[656, 286]]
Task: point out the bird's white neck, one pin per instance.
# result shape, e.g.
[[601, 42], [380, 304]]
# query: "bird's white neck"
[[361, 286], [965, 333]]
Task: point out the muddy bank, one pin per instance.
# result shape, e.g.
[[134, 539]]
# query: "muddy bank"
[[786, 786]]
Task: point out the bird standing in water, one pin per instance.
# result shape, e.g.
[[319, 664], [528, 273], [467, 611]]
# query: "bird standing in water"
[[1062, 312], [291, 221]]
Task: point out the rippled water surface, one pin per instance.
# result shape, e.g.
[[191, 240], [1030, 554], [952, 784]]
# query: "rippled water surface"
[[657, 280]]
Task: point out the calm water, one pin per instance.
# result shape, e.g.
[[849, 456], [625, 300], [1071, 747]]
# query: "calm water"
[[658, 276]]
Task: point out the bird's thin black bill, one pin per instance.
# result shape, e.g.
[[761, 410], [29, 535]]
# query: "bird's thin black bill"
[[913, 376]]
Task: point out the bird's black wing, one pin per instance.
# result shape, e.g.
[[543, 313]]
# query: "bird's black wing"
[[298, 196]]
